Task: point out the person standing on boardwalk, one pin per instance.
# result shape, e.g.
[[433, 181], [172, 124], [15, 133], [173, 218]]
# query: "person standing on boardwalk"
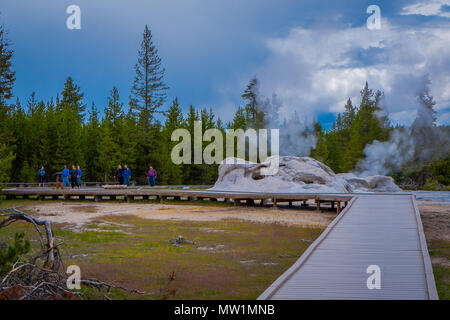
[[79, 173], [151, 175], [41, 176], [126, 175], [65, 176], [73, 176], [119, 174]]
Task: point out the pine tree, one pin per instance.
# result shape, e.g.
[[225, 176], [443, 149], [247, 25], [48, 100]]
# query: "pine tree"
[[92, 133], [239, 120], [149, 89], [191, 171], [113, 124], [129, 147], [148, 94], [7, 75], [427, 140], [335, 159], [320, 152], [208, 171], [72, 98], [7, 78], [105, 157], [49, 141], [349, 114], [16, 129], [254, 115], [69, 117], [6, 161], [172, 172]]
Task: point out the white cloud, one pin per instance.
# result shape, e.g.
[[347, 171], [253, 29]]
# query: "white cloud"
[[317, 70], [428, 8]]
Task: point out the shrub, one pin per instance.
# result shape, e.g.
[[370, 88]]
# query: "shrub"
[[11, 253]]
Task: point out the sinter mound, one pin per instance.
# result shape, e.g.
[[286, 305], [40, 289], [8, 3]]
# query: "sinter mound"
[[296, 174]]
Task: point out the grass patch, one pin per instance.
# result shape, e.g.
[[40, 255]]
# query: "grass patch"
[[143, 258], [441, 248], [442, 278]]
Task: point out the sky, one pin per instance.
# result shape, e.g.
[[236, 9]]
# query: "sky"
[[312, 54]]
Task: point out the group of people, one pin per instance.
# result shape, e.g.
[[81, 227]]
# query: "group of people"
[[73, 175], [123, 175]]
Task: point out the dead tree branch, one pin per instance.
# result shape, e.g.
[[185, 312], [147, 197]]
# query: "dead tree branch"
[[48, 249], [29, 281]]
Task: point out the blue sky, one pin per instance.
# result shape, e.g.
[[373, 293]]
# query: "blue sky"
[[313, 54]]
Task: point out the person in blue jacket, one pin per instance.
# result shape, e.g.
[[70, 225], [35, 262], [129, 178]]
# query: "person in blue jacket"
[[126, 175], [79, 173], [41, 176], [65, 176]]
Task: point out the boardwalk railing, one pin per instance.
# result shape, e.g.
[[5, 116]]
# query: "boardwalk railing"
[[337, 201]]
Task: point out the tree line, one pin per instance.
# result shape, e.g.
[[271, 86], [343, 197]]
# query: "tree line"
[[65, 131]]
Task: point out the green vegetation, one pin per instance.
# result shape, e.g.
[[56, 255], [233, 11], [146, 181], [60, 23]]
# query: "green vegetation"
[[10, 254], [441, 272], [231, 259]]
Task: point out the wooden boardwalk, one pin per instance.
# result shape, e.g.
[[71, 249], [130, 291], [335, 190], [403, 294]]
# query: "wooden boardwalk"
[[382, 230], [129, 194]]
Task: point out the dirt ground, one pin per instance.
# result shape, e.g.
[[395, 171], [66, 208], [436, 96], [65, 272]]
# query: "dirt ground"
[[436, 223], [436, 219], [78, 214]]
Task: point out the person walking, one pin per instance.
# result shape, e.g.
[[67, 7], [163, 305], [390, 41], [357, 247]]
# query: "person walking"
[[65, 176], [126, 175], [119, 174], [73, 176], [151, 175], [79, 173], [41, 176]]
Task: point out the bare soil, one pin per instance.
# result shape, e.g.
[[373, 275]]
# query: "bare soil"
[[436, 223], [79, 214], [436, 220]]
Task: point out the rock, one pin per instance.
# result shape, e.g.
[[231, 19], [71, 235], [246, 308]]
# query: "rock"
[[355, 182], [382, 184], [370, 184], [180, 240], [296, 175]]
